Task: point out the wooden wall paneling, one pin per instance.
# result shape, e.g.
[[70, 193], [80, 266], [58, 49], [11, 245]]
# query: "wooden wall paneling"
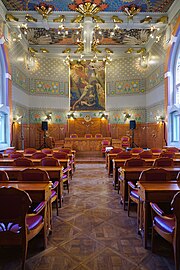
[[155, 135]]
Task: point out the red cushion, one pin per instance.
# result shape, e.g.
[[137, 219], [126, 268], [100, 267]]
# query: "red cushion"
[[165, 225], [34, 222], [134, 193]]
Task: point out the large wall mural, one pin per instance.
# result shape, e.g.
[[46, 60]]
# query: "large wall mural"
[[87, 86]]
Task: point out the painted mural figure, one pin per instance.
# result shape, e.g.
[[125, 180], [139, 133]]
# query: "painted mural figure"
[[87, 87]]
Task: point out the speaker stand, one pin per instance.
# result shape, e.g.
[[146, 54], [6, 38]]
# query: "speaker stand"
[[133, 144], [44, 144]]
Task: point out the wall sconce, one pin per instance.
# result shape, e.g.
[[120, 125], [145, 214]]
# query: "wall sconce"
[[126, 116], [48, 117], [160, 119], [71, 115]]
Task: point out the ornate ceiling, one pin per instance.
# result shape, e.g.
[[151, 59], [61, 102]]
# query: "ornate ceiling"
[[120, 26]]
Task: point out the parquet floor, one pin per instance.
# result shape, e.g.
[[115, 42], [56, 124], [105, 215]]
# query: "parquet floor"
[[92, 232]]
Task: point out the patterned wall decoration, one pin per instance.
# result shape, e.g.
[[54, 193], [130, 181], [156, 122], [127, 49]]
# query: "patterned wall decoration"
[[20, 79], [47, 87], [128, 87], [19, 110], [155, 78], [120, 69], [154, 111], [118, 117], [37, 116]]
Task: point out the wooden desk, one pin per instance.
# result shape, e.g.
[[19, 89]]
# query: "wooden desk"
[[38, 191], [132, 174], [86, 144], [117, 163], [54, 172], [157, 192]]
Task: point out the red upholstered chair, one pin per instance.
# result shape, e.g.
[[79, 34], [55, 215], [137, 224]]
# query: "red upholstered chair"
[[163, 162], [60, 155], [35, 174], [136, 150], [135, 162], [38, 155], [88, 136], [1, 155], [9, 150], [156, 150], [65, 150], [167, 226], [3, 176], [167, 154], [152, 174], [105, 143], [146, 154], [125, 141], [73, 136], [22, 161], [47, 151], [17, 227], [15, 155], [49, 161], [30, 150], [124, 155], [115, 150], [172, 149], [98, 135]]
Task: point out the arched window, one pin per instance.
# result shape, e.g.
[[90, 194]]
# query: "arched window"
[[174, 98], [4, 104]]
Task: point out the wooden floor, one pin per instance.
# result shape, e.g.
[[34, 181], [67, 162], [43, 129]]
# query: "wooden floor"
[[92, 232]]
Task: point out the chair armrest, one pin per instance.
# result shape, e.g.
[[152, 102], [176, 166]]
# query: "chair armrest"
[[68, 169], [55, 185], [38, 209], [157, 209], [132, 186]]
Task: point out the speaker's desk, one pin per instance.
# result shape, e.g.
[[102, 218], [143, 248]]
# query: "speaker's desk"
[[86, 144]]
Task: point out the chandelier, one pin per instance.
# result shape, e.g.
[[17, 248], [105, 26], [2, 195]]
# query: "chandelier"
[[87, 41]]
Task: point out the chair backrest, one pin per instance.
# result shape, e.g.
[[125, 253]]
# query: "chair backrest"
[[163, 162], [65, 150], [146, 154], [22, 161], [155, 174], [124, 155], [39, 155], [178, 177], [34, 174], [30, 150], [105, 142], [167, 154], [135, 162], [46, 151], [175, 206], [14, 205], [88, 136], [49, 161], [15, 155], [9, 150], [172, 149], [3, 176], [98, 135], [1, 155], [156, 150], [137, 150], [73, 136], [115, 150], [60, 155]]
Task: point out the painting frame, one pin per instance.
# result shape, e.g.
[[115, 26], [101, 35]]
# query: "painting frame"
[[87, 86]]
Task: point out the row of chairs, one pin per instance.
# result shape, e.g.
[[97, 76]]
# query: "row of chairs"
[[142, 154], [165, 224]]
